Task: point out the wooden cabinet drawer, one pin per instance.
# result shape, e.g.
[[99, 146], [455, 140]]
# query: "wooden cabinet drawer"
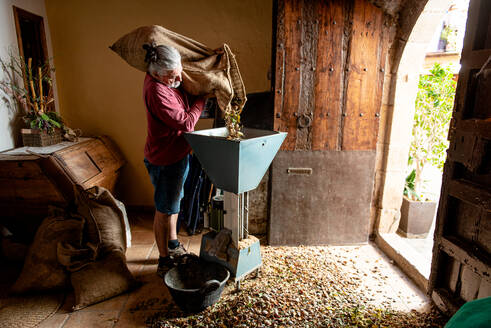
[[94, 162]]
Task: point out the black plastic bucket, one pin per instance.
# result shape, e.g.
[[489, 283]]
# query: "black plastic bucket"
[[197, 285]]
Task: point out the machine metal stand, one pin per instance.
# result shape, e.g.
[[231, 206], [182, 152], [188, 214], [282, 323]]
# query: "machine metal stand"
[[243, 254]]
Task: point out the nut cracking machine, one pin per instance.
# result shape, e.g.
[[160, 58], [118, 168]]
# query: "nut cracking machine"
[[235, 166]]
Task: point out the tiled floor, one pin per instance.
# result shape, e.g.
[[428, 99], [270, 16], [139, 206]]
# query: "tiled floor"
[[132, 309], [123, 310]]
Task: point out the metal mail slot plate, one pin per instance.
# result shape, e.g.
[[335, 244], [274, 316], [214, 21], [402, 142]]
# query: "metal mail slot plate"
[[299, 170]]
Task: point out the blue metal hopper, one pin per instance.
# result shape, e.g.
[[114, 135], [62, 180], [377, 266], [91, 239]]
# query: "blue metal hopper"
[[235, 165]]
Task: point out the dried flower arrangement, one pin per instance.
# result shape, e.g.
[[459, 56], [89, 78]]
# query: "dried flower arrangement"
[[35, 96]]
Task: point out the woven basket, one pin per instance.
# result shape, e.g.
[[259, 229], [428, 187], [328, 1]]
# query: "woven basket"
[[40, 138]]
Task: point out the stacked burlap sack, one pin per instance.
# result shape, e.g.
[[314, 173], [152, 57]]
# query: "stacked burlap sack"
[[85, 249], [205, 71]]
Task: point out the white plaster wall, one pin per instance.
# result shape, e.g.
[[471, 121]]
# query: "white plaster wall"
[[8, 42]]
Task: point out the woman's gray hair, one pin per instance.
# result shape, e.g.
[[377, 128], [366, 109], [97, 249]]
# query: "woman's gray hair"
[[161, 59]]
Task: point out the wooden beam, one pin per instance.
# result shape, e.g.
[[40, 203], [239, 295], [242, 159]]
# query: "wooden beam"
[[329, 77], [469, 193], [476, 126], [475, 59], [361, 111], [445, 302], [477, 261], [441, 220], [288, 62]]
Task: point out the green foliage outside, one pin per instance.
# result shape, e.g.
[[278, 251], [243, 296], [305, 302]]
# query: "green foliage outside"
[[433, 111], [409, 187]]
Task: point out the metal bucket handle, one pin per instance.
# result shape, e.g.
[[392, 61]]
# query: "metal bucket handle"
[[209, 286]]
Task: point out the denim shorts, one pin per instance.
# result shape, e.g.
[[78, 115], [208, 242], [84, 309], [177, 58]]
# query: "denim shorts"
[[168, 182]]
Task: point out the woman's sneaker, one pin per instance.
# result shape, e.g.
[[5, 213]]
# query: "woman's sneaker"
[[178, 251]]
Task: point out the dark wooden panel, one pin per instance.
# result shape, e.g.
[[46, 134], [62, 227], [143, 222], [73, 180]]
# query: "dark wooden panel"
[[483, 34], [92, 163], [330, 59], [82, 164], [453, 274], [360, 120], [77, 162], [470, 193], [329, 206], [483, 239], [445, 301], [258, 112], [470, 284], [56, 174], [308, 50], [460, 172], [24, 181], [279, 60], [462, 220], [462, 228], [472, 150], [25, 193], [288, 61], [101, 158], [329, 77], [464, 252], [478, 100], [452, 267], [107, 181], [114, 150], [22, 170]]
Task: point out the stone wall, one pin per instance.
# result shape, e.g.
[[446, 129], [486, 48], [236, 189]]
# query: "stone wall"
[[400, 88]]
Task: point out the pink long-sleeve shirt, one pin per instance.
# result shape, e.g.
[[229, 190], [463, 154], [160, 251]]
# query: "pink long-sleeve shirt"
[[169, 114]]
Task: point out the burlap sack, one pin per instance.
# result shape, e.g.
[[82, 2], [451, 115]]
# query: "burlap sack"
[[98, 268], [74, 258], [205, 71], [41, 271], [107, 224], [101, 280]]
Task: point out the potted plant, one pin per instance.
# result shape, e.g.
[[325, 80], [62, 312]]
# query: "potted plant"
[[32, 91], [416, 214], [433, 111]]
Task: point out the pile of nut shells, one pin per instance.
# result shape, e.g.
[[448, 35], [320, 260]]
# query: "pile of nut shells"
[[307, 287]]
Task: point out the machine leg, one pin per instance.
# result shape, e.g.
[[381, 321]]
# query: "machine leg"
[[237, 286]]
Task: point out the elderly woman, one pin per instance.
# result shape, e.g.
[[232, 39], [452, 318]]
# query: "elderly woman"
[[170, 112]]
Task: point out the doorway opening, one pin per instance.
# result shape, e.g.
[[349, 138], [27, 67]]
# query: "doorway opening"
[[423, 104], [31, 39]]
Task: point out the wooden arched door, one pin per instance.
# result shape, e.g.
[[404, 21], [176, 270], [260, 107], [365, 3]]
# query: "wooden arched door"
[[329, 73], [461, 266]]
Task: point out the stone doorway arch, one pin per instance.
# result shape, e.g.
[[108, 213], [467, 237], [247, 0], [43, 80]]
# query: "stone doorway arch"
[[408, 53]]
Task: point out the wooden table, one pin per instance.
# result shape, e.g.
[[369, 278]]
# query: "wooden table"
[[33, 178]]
